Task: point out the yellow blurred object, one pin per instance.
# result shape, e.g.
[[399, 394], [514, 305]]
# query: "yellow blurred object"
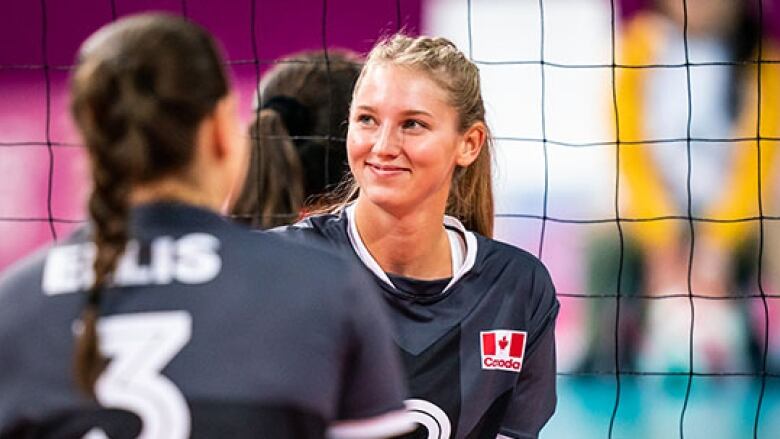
[[644, 193]]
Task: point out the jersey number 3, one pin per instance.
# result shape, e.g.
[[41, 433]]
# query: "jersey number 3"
[[140, 346]]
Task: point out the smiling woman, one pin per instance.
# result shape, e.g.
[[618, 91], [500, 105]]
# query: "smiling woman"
[[404, 142], [474, 317]]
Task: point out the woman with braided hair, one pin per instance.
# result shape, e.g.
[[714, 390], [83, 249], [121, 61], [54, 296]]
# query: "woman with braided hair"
[[152, 322]]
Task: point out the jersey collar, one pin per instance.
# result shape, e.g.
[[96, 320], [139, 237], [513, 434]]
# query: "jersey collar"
[[369, 261]]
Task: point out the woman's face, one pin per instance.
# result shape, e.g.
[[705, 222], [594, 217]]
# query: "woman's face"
[[403, 141]]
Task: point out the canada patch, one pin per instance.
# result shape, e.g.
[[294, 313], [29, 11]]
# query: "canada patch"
[[502, 349]]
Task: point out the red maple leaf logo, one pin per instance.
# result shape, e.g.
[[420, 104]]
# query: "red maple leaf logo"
[[502, 343]]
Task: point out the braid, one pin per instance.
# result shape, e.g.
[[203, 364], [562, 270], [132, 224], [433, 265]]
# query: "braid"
[[142, 87], [109, 215], [113, 169]]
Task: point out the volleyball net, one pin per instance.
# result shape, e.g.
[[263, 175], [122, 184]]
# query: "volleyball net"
[[635, 156]]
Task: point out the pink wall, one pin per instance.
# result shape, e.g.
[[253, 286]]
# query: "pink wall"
[[44, 176]]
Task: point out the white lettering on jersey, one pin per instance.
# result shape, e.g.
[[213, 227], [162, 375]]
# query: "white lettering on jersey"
[[64, 271], [197, 260], [96, 433], [140, 346], [128, 271], [191, 259], [163, 253], [430, 416]]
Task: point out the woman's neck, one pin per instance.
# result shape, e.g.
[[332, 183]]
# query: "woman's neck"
[[412, 245], [173, 190]]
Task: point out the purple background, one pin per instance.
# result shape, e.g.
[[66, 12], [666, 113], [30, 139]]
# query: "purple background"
[[280, 29]]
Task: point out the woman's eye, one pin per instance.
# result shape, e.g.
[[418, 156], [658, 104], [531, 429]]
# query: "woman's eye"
[[413, 124], [365, 119]]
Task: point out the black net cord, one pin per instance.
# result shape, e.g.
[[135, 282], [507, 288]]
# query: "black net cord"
[[649, 373], [618, 224], [546, 63], [765, 347], [49, 150], [691, 227], [398, 16], [623, 143], [469, 30], [625, 219], [544, 130], [328, 75]]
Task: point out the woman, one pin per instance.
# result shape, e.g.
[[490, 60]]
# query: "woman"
[[690, 151], [298, 151], [474, 317], [179, 335]]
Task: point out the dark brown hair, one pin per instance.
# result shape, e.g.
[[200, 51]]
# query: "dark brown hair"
[[141, 89], [298, 150]]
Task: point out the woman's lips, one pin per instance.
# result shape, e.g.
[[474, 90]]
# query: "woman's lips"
[[386, 170]]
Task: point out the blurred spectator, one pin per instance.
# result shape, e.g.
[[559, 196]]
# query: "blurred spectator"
[[298, 149], [664, 179]]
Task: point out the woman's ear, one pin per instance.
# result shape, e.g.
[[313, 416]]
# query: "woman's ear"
[[471, 144], [230, 146], [226, 127]]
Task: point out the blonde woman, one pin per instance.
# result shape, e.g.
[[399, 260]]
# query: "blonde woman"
[[474, 317]]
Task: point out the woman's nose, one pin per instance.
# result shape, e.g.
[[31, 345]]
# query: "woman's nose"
[[387, 141]]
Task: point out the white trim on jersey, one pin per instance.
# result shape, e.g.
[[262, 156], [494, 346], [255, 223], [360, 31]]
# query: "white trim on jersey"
[[457, 249], [387, 425], [470, 245], [462, 242], [360, 248]]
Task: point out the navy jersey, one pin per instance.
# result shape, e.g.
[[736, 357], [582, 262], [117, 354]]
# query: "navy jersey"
[[209, 330], [479, 348]]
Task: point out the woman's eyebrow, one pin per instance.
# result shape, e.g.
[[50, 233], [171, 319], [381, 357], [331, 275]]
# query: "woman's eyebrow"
[[405, 113]]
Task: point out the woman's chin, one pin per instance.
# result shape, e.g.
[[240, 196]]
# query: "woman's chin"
[[388, 200]]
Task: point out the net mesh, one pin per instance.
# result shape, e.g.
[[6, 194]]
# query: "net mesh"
[[57, 159]]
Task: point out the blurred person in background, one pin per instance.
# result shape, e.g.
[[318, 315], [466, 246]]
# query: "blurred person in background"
[[652, 105], [297, 136]]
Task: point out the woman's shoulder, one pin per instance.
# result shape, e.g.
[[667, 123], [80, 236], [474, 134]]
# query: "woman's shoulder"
[[515, 267], [330, 227], [495, 250]]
